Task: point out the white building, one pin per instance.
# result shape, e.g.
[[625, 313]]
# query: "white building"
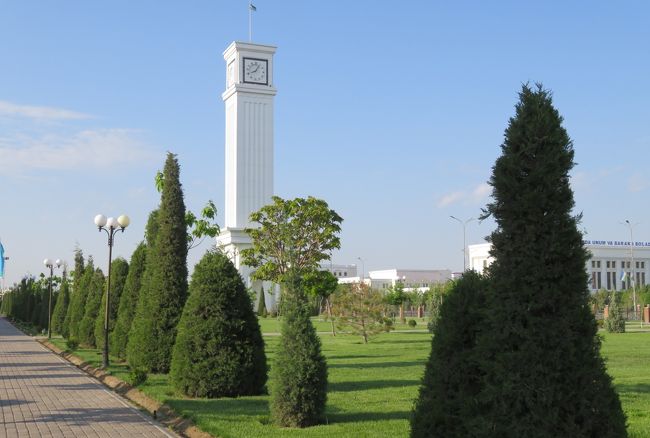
[[340, 271], [611, 265], [411, 278]]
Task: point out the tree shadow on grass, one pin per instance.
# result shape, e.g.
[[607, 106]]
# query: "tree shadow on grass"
[[639, 388], [354, 417], [223, 407], [378, 364], [361, 385]]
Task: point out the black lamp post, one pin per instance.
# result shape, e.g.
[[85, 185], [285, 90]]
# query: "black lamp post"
[[49, 264], [111, 226]]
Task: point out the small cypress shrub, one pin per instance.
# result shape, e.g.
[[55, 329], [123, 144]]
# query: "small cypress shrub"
[[119, 272], [61, 308], [219, 349], [93, 302], [83, 276], [452, 376], [261, 304], [615, 323], [299, 390], [128, 302], [76, 278]]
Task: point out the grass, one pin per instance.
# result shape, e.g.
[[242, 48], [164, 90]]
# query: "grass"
[[372, 387]]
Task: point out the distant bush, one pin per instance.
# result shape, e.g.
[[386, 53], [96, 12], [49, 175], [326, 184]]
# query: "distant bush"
[[137, 377], [72, 344], [615, 323], [412, 323]]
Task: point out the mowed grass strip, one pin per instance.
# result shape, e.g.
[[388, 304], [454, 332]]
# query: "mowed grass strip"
[[372, 387]]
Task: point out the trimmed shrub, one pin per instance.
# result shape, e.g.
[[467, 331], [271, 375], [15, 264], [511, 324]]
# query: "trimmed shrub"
[[299, 390], [446, 403], [61, 308], [72, 344], [219, 349], [83, 276], [412, 323], [137, 376]]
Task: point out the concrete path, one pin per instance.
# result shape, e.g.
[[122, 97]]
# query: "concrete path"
[[41, 395]]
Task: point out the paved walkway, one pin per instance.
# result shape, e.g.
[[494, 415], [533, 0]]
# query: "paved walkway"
[[41, 395]]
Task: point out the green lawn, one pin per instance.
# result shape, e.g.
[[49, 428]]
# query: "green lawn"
[[372, 387]]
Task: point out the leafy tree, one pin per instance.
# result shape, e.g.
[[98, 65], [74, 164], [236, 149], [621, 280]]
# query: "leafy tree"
[[615, 322], [119, 272], [81, 285], [219, 349], [128, 302], [541, 353], [452, 380], [321, 285], [164, 289], [199, 227], [435, 297], [293, 237], [359, 309], [62, 303], [96, 287]]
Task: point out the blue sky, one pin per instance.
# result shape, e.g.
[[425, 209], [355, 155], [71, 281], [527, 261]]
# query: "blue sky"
[[393, 112]]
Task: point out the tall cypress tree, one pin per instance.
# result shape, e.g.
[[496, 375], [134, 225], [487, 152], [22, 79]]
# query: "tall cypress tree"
[[128, 302], [61, 308], [77, 273], [164, 290], [544, 373], [86, 329], [119, 272], [81, 285]]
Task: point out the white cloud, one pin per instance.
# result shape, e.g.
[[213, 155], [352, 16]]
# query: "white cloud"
[[637, 183], [475, 196], [481, 192], [39, 112], [451, 198], [89, 149]]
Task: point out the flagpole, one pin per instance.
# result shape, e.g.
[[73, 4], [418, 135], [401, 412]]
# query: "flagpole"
[[250, 21]]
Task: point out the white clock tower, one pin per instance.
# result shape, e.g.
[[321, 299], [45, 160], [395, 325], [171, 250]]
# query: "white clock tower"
[[249, 144]]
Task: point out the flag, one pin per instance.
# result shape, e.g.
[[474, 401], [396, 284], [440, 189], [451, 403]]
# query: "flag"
[[252, 7], [2, 261], [623, 276]]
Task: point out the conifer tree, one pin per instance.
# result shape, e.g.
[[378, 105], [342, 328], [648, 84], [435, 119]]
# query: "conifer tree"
[[261, 304], [93, 301], [81, 285], [452, 376], [299, 371], [541, 353], [119, 272], [615, 322], [164, 290], [128, 302], [219, 349], [77, 273], [62, 303]]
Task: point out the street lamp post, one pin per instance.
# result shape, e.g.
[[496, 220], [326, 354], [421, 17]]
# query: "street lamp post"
[[49, 264], [464, 224], [111, 226]]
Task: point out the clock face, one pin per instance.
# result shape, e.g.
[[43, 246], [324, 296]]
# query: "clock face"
[[255, 71]]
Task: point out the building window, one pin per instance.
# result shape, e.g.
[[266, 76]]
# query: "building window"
[[642, 265], [609, 280], [608, 262], [642, 279], [594, 284], [598, 264], [345, 274], [613, 263]]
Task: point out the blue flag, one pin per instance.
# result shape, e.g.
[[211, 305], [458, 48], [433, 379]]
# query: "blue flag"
[[2, 261]]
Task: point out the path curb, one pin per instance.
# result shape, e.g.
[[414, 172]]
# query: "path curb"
[[164, 414]]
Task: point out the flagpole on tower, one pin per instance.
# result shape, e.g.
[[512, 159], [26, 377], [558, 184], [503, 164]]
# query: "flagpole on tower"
[[251, 9]]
